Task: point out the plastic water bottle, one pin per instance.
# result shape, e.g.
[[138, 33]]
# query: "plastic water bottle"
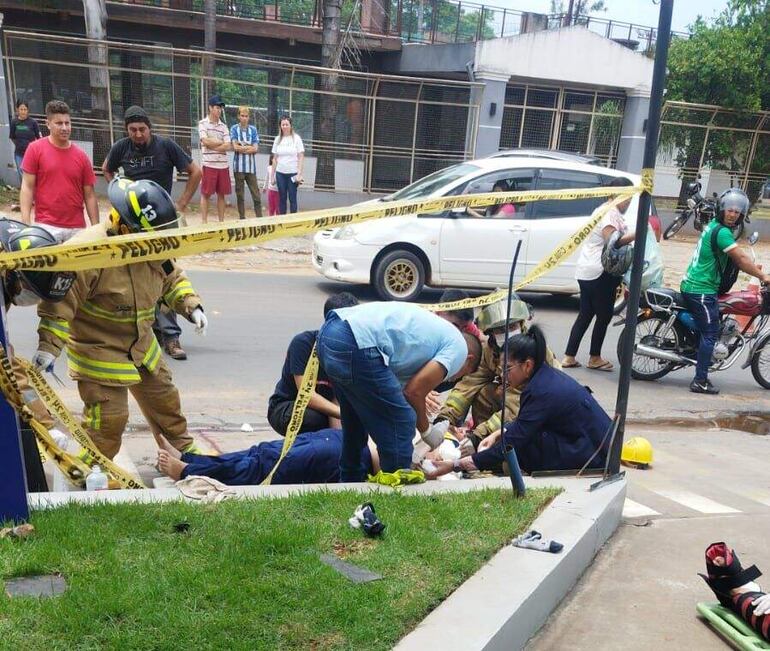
[[96, 480]]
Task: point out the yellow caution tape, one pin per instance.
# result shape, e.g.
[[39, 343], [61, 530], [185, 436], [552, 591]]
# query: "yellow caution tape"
[[71, 467], [648, 174], [144, 247], [55, 405], [304, 393], [556, 257]]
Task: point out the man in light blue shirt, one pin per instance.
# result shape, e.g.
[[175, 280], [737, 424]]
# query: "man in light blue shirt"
[[383, 359], [245, 141]]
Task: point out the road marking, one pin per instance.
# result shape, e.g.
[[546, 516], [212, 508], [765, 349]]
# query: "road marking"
[[695, 502], [633, 509]]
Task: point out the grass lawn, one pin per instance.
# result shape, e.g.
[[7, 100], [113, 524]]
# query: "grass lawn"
[[247, 574]]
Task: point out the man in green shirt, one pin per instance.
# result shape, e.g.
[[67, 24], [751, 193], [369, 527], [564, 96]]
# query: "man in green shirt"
[[701, 281]]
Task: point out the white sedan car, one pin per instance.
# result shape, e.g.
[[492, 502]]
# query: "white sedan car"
[[462, 248]]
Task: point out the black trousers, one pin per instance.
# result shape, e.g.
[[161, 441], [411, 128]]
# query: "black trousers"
[[597, 298], [279, 415]]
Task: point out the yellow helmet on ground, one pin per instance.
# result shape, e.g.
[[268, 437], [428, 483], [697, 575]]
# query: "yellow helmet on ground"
[[637, 451]]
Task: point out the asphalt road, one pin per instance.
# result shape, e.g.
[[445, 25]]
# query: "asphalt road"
[[231, 372]]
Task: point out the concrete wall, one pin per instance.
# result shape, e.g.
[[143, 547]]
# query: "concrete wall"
[[438, 60], [571, 55]]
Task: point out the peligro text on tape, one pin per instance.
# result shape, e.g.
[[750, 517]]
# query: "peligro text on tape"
[[173, 243], [304, 394], [58, 409]]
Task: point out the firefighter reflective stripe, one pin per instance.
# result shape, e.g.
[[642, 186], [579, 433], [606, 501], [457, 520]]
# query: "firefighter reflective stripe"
[[458, 403], [493, 423], [134, 201], [152, 357], [127, 317], [58, 327], [124, 372], [93, 414], [182, 288]]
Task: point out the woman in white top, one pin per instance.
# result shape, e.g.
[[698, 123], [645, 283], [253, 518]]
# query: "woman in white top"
[[597, 287], [289, 159]]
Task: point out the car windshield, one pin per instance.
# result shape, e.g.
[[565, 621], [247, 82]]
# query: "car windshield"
[[429, 184]]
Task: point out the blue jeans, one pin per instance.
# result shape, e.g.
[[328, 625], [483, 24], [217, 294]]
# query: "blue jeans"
[[705, 310], [287, 189], [371, 401], [18, 160], [166, 324]]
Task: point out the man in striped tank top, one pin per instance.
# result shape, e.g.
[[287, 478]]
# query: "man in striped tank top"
[[245, 139]]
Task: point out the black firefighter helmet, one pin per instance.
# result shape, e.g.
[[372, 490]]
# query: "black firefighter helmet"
[[49, 285], [140, 206]]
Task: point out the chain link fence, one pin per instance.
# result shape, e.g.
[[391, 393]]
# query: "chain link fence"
[[727, 148], [362, 132]]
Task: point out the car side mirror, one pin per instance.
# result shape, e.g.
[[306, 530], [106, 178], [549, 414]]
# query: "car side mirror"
[[753, 238]]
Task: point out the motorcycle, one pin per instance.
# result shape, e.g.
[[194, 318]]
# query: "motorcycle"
[[666, 337], [700, 208]]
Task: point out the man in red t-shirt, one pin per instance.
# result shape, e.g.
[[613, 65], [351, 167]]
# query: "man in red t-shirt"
[[58, 177]]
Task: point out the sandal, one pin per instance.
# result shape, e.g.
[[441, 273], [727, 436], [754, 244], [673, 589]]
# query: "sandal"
[[604, 366], [574, 364]]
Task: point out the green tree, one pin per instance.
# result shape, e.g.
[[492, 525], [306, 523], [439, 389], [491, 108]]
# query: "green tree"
[[725, 63]]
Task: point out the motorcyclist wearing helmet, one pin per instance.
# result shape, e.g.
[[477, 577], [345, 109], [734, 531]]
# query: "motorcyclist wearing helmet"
[[700, 285], [480, 392], [105, 322], [29, 288]]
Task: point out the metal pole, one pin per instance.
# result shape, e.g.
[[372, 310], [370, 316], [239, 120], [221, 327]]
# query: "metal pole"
[[650, 151]]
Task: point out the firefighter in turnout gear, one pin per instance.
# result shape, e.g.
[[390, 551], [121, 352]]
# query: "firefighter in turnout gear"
[[29, 288], [481, 391], [105, 322]]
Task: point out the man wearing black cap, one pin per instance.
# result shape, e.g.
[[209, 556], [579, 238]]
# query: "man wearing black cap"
[[143, 155], [215, 143]]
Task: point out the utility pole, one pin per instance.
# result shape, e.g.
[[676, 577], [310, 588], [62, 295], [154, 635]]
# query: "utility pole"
[[648, 165], [210, 45]]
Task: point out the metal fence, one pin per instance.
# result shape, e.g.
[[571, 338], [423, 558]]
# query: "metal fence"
[[362, 132], [727, 148], [422, 21], [549, 117]]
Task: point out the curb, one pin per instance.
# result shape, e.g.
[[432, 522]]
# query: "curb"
[[512, 596]]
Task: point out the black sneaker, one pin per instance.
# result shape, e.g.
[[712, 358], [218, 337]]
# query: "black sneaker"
[[703, 386]]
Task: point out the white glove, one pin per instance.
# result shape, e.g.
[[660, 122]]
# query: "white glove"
[[43, 361], [200, 321], [434, 435], [761, 605]]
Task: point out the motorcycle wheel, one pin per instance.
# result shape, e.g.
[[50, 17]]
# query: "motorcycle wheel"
[[647, 328], [675, 226], [620, 299], [760, 365]]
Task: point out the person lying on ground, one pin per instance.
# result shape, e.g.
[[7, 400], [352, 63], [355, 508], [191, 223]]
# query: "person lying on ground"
[[560, 426], [480, 392], [383, 360], [314, 458], [323, 410]]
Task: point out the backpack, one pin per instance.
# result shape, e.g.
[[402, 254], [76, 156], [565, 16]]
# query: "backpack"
[[727, 274]]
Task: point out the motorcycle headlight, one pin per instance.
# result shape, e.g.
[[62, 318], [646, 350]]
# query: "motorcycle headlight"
[[347, 232]]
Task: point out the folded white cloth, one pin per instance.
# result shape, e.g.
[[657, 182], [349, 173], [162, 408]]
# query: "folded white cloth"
[[205, 489]]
